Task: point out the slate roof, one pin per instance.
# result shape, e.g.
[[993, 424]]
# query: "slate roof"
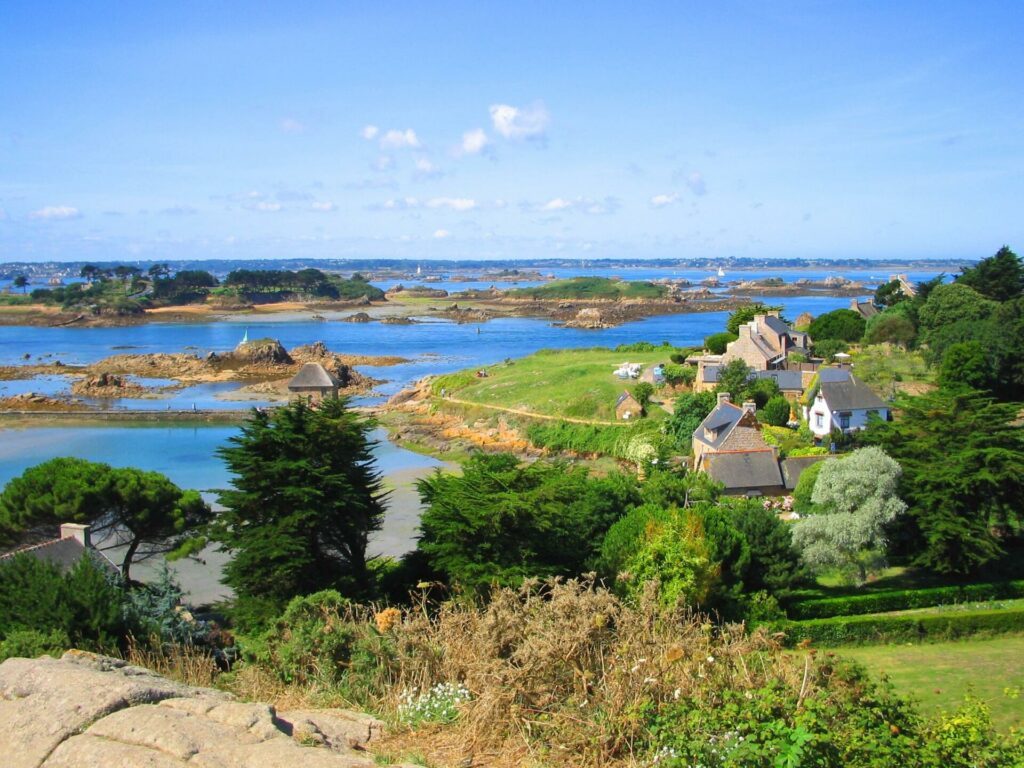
[[865, 308], [779, 327], [748, 469], [830, 375], [850, 395], [793, 467], [787, 380], [720, 421], [313, 376], [63, 553], [626, 396]]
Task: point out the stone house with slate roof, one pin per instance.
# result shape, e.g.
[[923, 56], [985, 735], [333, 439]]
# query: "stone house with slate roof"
[[64, 552], [842, 402], [315, 382], [728, 445], [628, 407], [765, 342], [791, 383]]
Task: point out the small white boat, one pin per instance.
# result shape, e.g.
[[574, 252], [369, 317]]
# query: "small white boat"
[[721, 272]]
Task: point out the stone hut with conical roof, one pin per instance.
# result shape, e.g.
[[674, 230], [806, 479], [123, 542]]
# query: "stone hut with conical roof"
[[314, 382]]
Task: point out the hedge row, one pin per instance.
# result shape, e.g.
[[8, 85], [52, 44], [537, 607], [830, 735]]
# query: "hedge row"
[[903, 600], [871, 630]]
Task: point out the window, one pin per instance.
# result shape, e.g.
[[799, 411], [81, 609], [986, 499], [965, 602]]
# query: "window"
[[844, 421], [819, 420]]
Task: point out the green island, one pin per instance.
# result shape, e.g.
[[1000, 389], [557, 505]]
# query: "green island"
[[592, 288]]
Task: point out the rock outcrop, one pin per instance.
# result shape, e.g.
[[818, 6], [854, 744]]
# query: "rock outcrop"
[[108, 385], [85, 710]]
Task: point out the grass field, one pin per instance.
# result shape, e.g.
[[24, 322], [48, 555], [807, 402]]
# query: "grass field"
[[938, 675], [576, 383]]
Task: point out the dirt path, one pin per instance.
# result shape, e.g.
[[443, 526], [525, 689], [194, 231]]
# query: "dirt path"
[[531, 415]]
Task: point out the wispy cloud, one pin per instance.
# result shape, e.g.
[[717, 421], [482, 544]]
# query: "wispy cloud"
[[474, 142], [325, 206], [587, 205], [460, 204], [425, 169], [263, 206], [660, 201], [292, 126], [180, 210], [369, 132], [442, 234], [520, 123], [452, 203], [56, 213], [395, 139]]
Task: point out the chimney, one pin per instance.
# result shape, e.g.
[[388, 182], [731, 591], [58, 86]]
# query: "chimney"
[[751, 406], [723, 397], [76, 531]]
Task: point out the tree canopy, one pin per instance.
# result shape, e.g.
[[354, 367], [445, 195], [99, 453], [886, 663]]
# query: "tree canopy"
[[143, 511], [962, 455], [501, 521], [745, 314], [854, 499], [838, 325], [999, 277], [306, 497]]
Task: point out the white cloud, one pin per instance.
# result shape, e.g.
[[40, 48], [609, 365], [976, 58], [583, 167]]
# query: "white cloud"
[[586, 205], [660, 201], [520, 123], [436, 203], [474, 142], [56, 213], [441, 234], [263, 206], [452, 203], [695, 181], [557, 204], [324, 207], [395, 139], [369, 132], [383, 163], [291, 125], [425, 169]]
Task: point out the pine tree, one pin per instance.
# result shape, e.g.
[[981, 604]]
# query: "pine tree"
[[306, 497]]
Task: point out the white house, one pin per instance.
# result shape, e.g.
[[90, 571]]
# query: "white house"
[[842, 402]]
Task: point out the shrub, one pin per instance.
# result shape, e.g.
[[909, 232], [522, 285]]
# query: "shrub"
[[31, 643], [440, 704], [776, 411], [904, 599], [717, 342], [310, 642], [870, 630], [679, 373], [87, 604]]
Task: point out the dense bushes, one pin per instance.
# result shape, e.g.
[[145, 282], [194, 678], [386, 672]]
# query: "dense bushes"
[[903, 599], [717, 342], [42, 608], [908, 628]]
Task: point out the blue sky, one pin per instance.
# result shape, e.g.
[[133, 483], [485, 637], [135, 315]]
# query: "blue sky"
[[479, 130]]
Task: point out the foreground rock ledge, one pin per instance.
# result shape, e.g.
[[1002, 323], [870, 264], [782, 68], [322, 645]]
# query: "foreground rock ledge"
[[84, 710]]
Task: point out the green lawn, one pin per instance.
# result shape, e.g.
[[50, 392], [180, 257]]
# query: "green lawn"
[[577, 383], [938, 675]]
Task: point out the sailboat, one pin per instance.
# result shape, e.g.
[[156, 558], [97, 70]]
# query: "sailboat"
[[721, 272], [245, 337]]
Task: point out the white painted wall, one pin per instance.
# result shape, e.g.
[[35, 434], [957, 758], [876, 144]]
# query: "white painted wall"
[[822, 421]]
